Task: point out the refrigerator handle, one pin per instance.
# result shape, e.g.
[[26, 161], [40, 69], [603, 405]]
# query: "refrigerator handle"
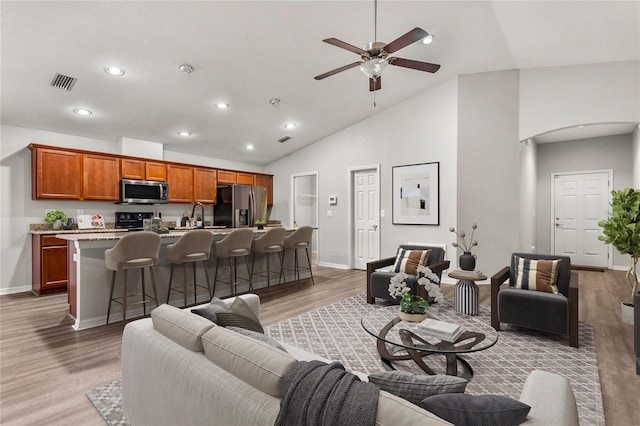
[[251, 215]]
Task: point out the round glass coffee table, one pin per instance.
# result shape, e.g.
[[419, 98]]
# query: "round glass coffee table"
[[399, 340]]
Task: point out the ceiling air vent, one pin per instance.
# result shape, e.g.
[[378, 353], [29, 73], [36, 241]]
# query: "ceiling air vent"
[[284, 139], [63, 81]]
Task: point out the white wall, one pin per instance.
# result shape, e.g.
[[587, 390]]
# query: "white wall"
[[18, 210], [488, 166], [636, 157], [559, 97], [420, 130], [610, 152], [528, 185]]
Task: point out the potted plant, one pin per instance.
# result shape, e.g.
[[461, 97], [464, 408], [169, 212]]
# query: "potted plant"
[[413, 307], [198, 220], [55, 217], [260, 223], [622, 230]]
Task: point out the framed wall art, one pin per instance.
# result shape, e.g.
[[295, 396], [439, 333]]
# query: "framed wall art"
[[416, 194]]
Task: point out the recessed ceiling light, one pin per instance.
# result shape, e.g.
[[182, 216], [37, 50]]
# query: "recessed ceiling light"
[[250, 147], [114, 70], [428, 39], [290, 126], [275, 101], [82, 111], [186, 68], [222, 105], [184, 133]]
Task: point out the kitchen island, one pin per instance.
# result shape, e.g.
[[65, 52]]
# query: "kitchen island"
[[89, 280]]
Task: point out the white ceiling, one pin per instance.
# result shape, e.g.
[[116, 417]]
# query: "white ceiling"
[[245, 53]]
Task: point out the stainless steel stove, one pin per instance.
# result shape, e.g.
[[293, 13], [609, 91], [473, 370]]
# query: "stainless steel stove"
[[131, 221]]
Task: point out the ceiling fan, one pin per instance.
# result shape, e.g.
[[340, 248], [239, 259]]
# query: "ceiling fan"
[[374, 56]]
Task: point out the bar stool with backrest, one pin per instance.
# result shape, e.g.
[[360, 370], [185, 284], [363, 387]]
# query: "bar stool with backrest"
[[137, 250], [297, 240], [192, 247], [236, 244], [272, 241]]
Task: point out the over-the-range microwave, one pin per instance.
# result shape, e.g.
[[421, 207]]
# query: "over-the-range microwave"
[[143, 192]]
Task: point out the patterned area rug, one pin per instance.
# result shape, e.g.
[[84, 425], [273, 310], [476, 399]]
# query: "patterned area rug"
[[334, 332]]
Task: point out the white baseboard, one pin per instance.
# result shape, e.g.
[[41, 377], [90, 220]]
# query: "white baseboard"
[[333, 265], [620, 268], [14, 290]]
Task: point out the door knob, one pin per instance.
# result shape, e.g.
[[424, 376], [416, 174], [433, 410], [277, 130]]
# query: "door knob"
[[374, 226], [558, 225]]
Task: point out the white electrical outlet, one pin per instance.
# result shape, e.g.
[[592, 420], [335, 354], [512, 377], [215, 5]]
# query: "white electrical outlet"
[[382, 213]]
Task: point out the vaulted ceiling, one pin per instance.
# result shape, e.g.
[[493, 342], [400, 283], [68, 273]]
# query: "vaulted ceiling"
[[246, 53]]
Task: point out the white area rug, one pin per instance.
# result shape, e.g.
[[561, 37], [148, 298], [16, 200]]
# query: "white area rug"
[[334, 332]]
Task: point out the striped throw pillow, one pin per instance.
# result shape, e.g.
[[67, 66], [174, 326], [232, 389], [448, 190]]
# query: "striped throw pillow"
[[407, 261], [538, 275]]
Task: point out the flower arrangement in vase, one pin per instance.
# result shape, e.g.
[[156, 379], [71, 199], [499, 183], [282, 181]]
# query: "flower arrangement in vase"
[[413, 307], [467, 260]]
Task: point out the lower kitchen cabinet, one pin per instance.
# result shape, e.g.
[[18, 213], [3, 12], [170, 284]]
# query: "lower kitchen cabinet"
[[49, 264]]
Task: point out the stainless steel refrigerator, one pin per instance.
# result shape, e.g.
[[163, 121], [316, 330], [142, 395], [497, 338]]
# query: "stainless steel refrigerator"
[[239, 206]]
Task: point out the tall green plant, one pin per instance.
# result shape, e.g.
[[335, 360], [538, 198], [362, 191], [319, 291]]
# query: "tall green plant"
[[622, 229]]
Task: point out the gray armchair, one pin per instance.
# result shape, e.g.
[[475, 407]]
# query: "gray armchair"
[[636, 324], [553, 313], [378, 281]]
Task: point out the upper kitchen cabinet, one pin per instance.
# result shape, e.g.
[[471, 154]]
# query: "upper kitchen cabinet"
[[226, 176], [267, 182], [144, 170], [101, 177], [180, 181], [204, 185], [245, 178], [55, 173]]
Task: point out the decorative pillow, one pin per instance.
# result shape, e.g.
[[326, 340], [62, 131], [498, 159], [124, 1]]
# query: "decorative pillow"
[[539, 275], [463, 409], [211, 310], [416, 387], [258, 336], [180, 326], [407, 261], [239, 314]]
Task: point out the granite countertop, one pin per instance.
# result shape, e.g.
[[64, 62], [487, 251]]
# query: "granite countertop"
[[75, 231], [111, 235]]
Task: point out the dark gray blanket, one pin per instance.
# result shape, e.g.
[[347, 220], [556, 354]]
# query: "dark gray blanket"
[[317, 393]]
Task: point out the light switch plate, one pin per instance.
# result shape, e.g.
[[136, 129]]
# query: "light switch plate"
[[330, 213]]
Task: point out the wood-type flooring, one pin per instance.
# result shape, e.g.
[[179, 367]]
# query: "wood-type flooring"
[[46, 367]]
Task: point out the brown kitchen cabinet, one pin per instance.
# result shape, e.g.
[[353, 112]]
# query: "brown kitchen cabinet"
[[204, 185], [267, 182], [56, 174], [245, 178], [180, 181], [144, 170], [226, 176], [49, 264], [101, 177]]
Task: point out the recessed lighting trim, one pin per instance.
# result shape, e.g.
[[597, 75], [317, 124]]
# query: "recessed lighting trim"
[[113, 70], [184, 133], [186, 68], [290, 126], [82, 111], [428, 39], [250, 147], [222, 105]]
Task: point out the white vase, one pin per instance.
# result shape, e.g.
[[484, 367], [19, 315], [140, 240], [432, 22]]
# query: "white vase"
[[57, 224], [627, 313]]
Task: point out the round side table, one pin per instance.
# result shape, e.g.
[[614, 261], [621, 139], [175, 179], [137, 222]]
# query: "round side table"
[[465, 296]]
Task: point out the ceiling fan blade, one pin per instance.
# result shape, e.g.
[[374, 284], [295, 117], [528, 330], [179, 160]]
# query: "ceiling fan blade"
[[343, 45], [416, 65], [337, 70], [375, 84], [405, 40]]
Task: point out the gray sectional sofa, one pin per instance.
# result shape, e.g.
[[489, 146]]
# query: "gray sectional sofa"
[[180, 368]]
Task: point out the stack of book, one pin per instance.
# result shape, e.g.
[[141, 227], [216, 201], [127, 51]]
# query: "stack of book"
[[442, 330]]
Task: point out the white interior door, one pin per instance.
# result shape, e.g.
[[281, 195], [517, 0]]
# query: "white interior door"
[[366, 217], [580, 201], [305, 203]]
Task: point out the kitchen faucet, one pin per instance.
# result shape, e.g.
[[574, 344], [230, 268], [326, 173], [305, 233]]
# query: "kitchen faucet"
[[193, 213]]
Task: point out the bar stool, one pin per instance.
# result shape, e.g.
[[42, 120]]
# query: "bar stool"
[[192, 247], [299, 239], [271, 241], [137, 250], [236, 244]]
